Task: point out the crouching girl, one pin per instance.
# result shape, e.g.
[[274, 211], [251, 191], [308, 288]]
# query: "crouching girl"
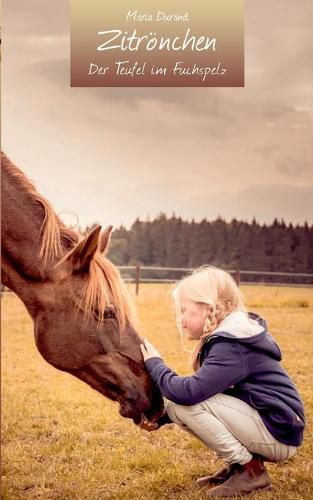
[[240, 402]]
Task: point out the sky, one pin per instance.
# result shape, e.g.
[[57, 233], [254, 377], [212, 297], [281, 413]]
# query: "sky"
[[109, 155]]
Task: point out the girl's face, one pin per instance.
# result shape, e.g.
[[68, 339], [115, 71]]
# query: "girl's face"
[[192, 318]]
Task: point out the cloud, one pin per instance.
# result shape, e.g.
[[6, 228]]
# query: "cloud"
[[295, 167], [163, 148], [293, 204], [35, 16]]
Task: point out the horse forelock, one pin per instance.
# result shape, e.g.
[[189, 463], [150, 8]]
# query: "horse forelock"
[[105, 287]]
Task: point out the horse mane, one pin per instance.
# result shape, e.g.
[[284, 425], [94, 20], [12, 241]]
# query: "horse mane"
[[104, 284], [52, 229]]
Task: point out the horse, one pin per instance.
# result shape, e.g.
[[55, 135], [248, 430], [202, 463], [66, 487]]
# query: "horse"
[[83, 316]]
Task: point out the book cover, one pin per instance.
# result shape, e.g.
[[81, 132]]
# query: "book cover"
[[141, 141]]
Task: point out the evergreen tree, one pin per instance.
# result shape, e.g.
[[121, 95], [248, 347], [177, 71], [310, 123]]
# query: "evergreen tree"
[[173, 242]]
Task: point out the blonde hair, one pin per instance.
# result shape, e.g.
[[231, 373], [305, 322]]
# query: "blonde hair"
[[213, 288]]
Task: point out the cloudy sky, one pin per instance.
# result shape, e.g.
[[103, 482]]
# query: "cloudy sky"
[[110, 155]]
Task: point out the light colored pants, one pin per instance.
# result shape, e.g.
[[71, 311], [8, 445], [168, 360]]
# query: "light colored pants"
[[231, 428]]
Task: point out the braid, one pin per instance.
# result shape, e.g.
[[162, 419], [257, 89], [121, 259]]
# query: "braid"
[[223, 309], [211, 321], [215, 314]]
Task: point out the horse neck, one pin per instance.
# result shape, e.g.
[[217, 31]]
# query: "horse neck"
[[22, 219]]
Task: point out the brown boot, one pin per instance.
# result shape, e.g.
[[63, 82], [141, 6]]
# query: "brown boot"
[[246, 479], [219, 477]]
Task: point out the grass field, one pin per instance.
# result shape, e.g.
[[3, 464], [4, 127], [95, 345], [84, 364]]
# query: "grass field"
[[61, 440]]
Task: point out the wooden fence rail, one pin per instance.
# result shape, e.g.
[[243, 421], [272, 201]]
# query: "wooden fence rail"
[[237, 274], [138, 272]]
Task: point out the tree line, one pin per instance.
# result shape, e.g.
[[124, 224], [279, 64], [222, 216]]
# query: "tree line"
[[174, 242]]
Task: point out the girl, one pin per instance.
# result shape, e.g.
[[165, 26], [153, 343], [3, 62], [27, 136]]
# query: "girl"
[[240, 401]]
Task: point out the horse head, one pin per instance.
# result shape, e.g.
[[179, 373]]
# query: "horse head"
[[85, 326], [83, 316]]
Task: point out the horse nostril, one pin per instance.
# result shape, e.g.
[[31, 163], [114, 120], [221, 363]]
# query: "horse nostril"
[[124, 412]]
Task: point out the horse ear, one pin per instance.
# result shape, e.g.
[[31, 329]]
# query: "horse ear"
[[81, 255], [104, 240]]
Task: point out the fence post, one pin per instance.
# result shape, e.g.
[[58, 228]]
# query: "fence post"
[[138, 272], [237, 277]]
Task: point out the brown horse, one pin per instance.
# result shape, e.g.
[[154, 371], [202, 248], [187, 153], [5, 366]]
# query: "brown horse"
[[83, 317]]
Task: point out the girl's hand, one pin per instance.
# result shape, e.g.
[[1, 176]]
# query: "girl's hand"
[[149, 351]]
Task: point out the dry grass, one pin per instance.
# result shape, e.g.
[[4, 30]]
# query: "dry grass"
[[61, 440]]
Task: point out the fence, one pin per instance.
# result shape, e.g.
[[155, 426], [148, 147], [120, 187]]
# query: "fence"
[[138, 274]]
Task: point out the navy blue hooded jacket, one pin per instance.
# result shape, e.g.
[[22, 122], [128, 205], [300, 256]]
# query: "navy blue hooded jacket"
[[243, 366]]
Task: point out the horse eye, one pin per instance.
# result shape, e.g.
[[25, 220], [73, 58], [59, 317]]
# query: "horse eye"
[[109, 312]]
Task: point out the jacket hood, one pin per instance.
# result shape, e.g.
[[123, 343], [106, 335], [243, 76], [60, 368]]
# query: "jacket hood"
[[249, 329]]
